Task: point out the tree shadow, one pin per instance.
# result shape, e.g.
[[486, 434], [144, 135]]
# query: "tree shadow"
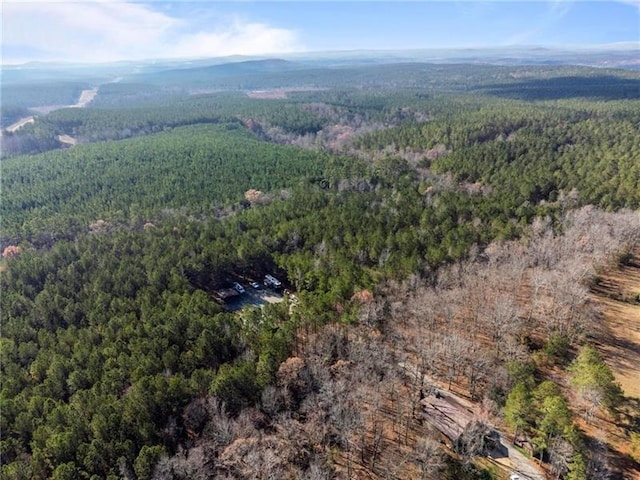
[[599, 87]]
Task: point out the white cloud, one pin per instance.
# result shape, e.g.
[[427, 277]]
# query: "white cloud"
[[107, 30], [238, 38]]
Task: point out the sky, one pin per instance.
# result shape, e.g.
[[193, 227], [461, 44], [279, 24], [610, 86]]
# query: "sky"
[[111, 30]]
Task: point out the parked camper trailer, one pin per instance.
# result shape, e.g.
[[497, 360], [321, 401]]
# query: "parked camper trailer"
[[272, 282]]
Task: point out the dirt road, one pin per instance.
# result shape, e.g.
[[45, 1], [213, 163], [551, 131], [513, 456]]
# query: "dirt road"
[[20, 123], [86, 96], [518, 463]]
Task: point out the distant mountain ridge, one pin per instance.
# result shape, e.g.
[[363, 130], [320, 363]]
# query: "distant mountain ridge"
[[245, 67], [625, 56], [20, 84]]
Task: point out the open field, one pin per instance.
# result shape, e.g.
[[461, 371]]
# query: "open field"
[[275, 94], [617, 295], [69, 140], [279, 93]]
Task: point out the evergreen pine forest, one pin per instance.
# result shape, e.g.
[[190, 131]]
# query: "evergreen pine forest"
[[435, 228]]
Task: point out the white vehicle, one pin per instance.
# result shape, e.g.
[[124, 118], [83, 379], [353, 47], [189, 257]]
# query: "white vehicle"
[[272, 282], [255, 285], [239, 288]]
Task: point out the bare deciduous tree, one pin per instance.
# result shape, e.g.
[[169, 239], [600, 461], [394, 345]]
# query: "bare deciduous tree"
[[560, 454], [430, 458]]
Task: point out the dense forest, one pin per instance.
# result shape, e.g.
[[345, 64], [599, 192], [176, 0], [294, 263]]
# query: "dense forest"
[[437, 230]]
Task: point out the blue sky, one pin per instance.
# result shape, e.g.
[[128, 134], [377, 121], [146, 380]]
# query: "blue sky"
[[106, 30]]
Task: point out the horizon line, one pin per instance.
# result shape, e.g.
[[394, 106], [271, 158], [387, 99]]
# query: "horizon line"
[[626, 46]]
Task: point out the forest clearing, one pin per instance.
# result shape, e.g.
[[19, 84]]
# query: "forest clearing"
[[67, 140]]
